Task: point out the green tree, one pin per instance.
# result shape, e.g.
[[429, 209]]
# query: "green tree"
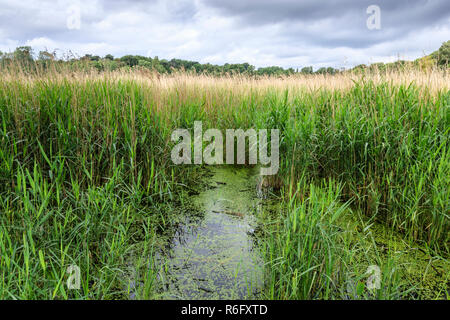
[[322, 70], [130, 60], [24, 54], [307, 70], [443, 54], [331, 70], [145, 64]]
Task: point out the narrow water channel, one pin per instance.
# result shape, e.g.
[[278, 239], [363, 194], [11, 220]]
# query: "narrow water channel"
[[216, 256]]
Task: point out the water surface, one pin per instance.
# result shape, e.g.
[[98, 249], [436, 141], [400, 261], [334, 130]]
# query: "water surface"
[[215, 255]]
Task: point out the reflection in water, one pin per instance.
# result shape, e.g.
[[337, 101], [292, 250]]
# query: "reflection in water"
[[216, 257]]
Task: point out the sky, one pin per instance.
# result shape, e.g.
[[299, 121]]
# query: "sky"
[[286, 33]]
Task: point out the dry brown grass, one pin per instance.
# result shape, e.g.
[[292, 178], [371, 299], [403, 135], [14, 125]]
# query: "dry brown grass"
[[216, 92], [433, 78]]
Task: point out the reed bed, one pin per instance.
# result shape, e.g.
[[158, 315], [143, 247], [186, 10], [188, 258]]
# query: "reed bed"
[[85, 170]]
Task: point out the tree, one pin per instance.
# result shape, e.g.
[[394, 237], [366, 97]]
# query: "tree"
[[86, 57], [145, 64], [307, 70], [130, 60], [322, 70], [331, 70], [443, 54], [109, 57], [23, 54]]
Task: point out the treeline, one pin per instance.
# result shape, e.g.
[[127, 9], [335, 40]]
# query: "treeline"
[[25, 57], [439, 58]]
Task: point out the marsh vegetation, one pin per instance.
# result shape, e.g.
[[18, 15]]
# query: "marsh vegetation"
[[86, 179]]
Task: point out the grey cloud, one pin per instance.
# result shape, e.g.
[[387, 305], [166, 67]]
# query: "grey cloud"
[[262, 32], [269, 11], [348, 18]]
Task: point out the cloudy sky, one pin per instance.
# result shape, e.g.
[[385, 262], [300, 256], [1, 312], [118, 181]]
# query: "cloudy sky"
[[288, 33]]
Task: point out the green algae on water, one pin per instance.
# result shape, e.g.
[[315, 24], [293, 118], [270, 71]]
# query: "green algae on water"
[[216, 256]]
